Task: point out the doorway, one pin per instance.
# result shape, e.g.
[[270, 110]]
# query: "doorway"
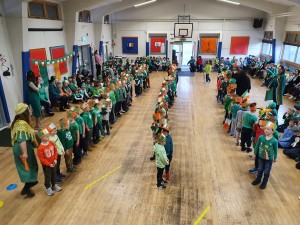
[[84, 56], [182, 52]]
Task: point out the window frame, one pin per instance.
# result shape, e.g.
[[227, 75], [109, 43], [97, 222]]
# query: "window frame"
[[271, 50], [83, 12], [295, 58], [44, 4]]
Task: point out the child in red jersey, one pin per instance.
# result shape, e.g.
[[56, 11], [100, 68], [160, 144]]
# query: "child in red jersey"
[[47, 154]]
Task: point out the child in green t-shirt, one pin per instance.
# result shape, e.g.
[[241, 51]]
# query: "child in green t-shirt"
[[88, 122], [74, 129], [66, 139], [267, 151]]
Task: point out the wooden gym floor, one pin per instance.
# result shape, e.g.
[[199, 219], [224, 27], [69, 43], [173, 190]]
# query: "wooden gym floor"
[[208, 170]]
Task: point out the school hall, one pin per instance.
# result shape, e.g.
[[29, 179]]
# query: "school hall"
[[151, 112]]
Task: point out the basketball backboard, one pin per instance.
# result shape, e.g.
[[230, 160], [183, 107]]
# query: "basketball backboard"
[[183, 30]]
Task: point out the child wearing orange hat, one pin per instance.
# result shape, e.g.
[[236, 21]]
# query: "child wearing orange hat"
[[249, 119], [266, 150], [60, 149], [47, 154]]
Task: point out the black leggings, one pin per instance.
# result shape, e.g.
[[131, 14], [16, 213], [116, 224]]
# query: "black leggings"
[[246, 137], [159, 174]]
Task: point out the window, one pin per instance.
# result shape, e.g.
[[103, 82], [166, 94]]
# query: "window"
[[292, 38], [266, 49], [298, 57], [85, 16], [43, 10], [289, 53], [52, 11]]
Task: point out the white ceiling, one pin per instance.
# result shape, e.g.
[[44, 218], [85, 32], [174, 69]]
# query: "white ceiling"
[[282, 2]]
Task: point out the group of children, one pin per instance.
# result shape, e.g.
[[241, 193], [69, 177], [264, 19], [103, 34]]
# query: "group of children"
[[85, 124], [261, 132], [162, 140]]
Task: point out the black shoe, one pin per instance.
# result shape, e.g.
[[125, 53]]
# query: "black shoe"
[[255, 182], [27, 192], [263, 186], [50, 114], [249, 150], [152, 158]]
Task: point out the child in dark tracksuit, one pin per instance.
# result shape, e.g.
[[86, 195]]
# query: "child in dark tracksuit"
[[249, 120]]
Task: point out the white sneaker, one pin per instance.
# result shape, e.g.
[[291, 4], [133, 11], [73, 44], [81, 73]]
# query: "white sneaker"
[[49, 191], [57, 188]]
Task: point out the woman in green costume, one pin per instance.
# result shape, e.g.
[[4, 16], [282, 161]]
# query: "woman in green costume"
[[276, 87], [34, 98], [24, 142]]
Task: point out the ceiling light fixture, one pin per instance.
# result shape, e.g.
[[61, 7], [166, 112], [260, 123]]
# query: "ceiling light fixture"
[[144, 3], [231, 2]]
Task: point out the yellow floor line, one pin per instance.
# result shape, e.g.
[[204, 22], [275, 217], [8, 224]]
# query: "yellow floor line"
[[201, 216], [101, 178]]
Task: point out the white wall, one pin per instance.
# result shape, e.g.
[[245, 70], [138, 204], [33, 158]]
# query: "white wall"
[[226, 29], [12, 88]]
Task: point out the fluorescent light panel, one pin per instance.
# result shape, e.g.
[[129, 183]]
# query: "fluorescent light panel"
[[231, 2], [144, 3]]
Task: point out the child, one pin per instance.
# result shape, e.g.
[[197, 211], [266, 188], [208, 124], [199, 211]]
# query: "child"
[[99, 119], [88, 122], [77, 97], [287, 138], [83, 92], [98, 91], [249, 119], [82, 143], [258, 130], [105, 117], [96, 131], [60, 150], [137, 86], [161, 160], [207, 69], [47, 154], [66, 139], [234, 109], [239, 120], [112, 96], [220, 92], [267, 151], [74, 129], [168, 147]]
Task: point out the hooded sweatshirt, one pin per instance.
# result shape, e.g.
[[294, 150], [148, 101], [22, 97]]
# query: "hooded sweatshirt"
[[160, 156]]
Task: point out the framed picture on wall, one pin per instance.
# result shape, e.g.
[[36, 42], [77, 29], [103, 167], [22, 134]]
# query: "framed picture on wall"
[[239, 45], [208, 45], [158, 45], [130, 45]]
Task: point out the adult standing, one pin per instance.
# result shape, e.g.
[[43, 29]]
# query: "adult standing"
[[56, 95], [276, 87], [243, 82], [44, 97], [34, 98], [24, 142], [98, 62]]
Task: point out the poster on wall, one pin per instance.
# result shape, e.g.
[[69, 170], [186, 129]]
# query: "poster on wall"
[[130, 45], [158, 45], [37, 54], [208, 45], [56, 53], [239, 45]]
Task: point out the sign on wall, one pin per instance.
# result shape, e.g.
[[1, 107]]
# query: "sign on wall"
[[239, 45], [130, 45], [208, 45], [158, 45]]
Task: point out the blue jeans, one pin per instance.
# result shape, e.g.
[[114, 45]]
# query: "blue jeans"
[[264, 168]]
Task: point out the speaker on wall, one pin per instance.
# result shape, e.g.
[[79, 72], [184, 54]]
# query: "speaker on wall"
[[258, 23], [106, 19]]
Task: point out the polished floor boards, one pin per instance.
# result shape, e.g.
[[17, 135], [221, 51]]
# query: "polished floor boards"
[[207, 170]]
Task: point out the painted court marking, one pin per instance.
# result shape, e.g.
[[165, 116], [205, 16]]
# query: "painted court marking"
[[202, 216], [1, 203], [101, 178]]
